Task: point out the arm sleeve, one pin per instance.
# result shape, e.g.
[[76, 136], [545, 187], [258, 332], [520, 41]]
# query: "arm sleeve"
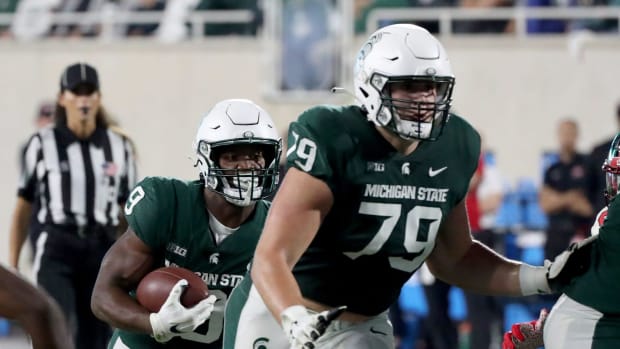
[[149, 211], [31, 158], [308, 148]]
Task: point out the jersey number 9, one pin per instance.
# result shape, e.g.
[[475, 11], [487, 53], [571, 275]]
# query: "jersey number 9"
[[305, 149]]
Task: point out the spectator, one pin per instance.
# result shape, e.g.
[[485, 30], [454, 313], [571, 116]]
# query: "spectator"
[[596, 178], [145, 29], [364, 7], [7, 7], [232, 28], [172, 27], [592, 24], [33, 19], [89, 23], [484, 26], [79, 173], [563, 196], [542, 25]]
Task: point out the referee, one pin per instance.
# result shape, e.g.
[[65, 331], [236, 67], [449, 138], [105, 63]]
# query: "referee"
[[79, 171]]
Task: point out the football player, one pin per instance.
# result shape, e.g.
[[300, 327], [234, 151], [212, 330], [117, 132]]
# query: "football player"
[[587, 314], [35, 311], [210, 226], [372, 192]]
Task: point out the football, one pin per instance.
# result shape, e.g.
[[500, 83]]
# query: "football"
[[154, 288]]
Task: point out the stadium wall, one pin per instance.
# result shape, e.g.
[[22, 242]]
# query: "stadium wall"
[[514, 91]]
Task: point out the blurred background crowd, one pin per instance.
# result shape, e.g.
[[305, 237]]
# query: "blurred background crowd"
[[31, 19]]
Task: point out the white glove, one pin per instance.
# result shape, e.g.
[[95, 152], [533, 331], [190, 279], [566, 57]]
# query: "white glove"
[[304, 327], [173, 319]]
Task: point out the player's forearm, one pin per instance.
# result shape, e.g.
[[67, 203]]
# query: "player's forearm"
[[275, 283], [483, 271], [114, 306], [47, 327]]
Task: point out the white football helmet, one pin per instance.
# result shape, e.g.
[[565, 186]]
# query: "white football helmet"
[[403, 53], [233, 122]]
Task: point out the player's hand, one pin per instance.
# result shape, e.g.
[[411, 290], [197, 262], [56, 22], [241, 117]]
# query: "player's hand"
[[574, 261], [526, 335], [303, 327], [173, 319]]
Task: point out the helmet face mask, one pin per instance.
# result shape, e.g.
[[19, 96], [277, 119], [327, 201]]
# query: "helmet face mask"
[[611, 167], [229, 127], [412, 117], [407, 56]]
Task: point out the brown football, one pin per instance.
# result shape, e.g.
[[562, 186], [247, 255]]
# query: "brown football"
[[154, 288]]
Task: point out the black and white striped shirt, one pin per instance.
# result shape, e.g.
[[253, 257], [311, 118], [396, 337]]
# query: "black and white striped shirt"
[[78, 182]]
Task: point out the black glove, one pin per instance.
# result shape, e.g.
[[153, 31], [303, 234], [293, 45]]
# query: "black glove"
[[573, 262]]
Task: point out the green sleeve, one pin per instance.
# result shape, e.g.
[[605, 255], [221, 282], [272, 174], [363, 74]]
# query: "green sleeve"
[[149, 211], [310, 144]]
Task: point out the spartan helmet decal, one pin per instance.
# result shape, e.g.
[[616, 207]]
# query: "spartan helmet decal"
[[233, 122]]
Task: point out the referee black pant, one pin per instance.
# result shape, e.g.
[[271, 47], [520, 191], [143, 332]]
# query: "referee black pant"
[[66, 265]]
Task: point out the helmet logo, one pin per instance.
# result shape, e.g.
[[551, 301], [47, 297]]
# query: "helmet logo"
[[248, 134], [431, 71], [366, 50]]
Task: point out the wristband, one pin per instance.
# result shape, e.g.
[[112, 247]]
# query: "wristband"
[[533, 280]]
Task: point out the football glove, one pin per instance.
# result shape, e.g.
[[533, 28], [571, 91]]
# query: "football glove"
[[555, 276], [173, 319], [526, 335], [304, 327], [573, 262]]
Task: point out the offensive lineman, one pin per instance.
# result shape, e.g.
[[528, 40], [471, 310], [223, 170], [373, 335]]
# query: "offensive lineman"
[[371, 193]]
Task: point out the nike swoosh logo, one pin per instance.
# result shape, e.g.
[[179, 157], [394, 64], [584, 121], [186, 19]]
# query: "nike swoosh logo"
[[372, 329], [433, 173]]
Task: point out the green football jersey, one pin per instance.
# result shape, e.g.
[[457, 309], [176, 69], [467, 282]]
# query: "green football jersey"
[[170, 217], [387, 206], [599, 286]]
